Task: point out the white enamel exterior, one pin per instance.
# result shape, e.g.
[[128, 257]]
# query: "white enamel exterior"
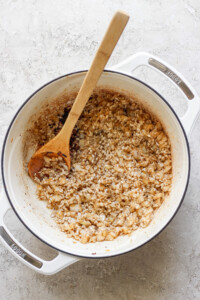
[[34, 214]]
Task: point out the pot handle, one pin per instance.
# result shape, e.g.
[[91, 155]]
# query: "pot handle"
[[146, 59], [61, 261]]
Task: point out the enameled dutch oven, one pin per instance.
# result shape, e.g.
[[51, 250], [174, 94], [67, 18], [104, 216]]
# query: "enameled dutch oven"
[[20, 191]]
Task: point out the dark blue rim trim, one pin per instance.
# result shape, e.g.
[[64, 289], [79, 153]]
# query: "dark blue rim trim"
[[3, 151]]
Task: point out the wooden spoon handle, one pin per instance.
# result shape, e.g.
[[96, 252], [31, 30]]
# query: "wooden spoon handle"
[[103, 54]]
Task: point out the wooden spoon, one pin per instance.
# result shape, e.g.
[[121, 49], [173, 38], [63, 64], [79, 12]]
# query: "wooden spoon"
[[59, 145]]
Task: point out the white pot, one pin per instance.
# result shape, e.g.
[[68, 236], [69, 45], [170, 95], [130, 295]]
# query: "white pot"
[[20, 191]]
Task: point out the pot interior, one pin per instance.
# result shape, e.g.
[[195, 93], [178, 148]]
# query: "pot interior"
[[21, 190]]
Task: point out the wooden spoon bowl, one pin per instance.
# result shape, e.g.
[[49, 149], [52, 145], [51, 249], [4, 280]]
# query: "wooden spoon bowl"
[[59, 145]]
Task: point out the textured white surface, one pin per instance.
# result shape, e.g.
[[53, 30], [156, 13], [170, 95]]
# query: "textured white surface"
[[40, 40]]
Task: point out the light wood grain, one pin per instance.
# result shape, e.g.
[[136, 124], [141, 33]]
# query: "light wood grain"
[[60, 143]]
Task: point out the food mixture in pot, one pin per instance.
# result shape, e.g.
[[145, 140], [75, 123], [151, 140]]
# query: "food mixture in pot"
[[121, 167]]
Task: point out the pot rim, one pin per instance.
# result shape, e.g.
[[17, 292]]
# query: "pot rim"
[[4, 146]]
